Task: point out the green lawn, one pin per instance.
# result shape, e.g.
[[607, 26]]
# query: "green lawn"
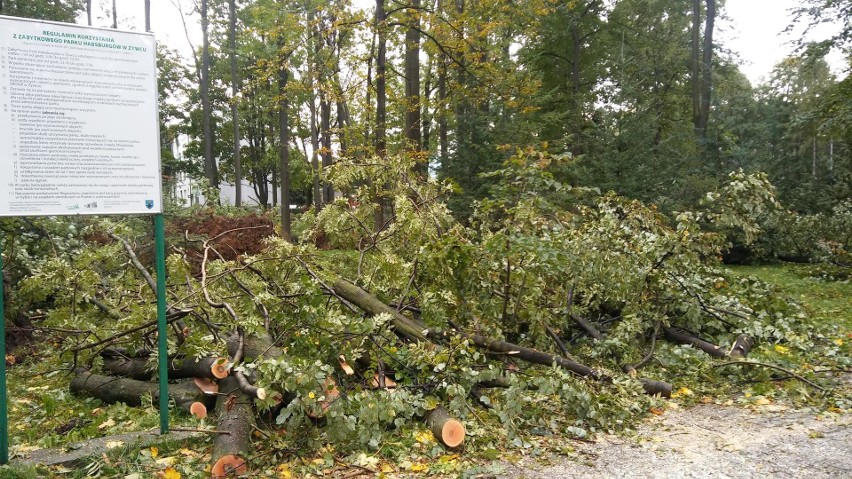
[[825, 301]]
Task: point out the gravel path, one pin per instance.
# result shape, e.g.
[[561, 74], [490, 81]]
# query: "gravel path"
[[713, 441]]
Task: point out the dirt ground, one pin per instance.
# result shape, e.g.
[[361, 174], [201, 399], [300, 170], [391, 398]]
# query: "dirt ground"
[[713, 441]]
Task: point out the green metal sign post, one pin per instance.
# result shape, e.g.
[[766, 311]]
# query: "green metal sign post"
[[4, 417], [162, 343]]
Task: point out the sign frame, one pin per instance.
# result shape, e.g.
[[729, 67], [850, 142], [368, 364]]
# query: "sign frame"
[[158, 195]]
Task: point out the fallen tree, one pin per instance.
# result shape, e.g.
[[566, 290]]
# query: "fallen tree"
[[440, 323], [110, 389]]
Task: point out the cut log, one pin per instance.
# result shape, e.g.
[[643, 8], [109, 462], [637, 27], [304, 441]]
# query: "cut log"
[[680, 337], [255, 346], [450, 432], [143, 369], [112, 389], [371, 304], [198, 410], [587, 327], [235, 417], [653, 387], [742, 346], [206, 386]]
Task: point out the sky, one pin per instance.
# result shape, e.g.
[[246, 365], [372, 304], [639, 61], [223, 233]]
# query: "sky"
[[751, 29]]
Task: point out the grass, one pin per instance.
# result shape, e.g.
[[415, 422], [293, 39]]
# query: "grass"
[[826, 302]]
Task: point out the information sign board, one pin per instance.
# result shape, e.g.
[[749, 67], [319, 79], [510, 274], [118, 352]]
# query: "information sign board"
[[78, 120]]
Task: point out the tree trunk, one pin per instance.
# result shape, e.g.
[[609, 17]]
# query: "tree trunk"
[[586, 326], [680, 337], [210, 168], [111, 389], [412, 84], [425, 115], [142, 369], [255, 347], [236, 418], [450, 432], [114, 16], [742, 346], [147, 15], [232, 37], [413, 331], [313, 67], [707, 65], [443, 138], [372, 305], [325, 121], [284, 144], [695, 65], [381, 107]]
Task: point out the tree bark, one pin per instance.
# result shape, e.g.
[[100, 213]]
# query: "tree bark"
[[255, 347], [147, 15], [372, 305], [707, 65], [411, 330], [412, 84], [381, 107], [680, 337], [210, 169], [586, 326], [325, 122], [111, 389], [236, 417], [695, 65], [284, 143], [742, 346], [142, 369], [313, 75], [443, 137], [232, 38]]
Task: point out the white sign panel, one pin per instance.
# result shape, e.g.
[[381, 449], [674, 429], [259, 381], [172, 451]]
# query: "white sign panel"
[[79, 132]]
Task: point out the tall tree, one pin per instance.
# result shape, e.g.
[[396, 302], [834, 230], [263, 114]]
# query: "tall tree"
[[702, 71], [235, 118], [284, 148], [210, 168], [381, 103], [412, 84], [147, 15]]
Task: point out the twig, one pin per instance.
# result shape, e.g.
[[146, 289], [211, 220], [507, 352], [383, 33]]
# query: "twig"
[[777, 368], [559, 343], [134, 260], [174, 317], [193, 429], [650, 354]]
